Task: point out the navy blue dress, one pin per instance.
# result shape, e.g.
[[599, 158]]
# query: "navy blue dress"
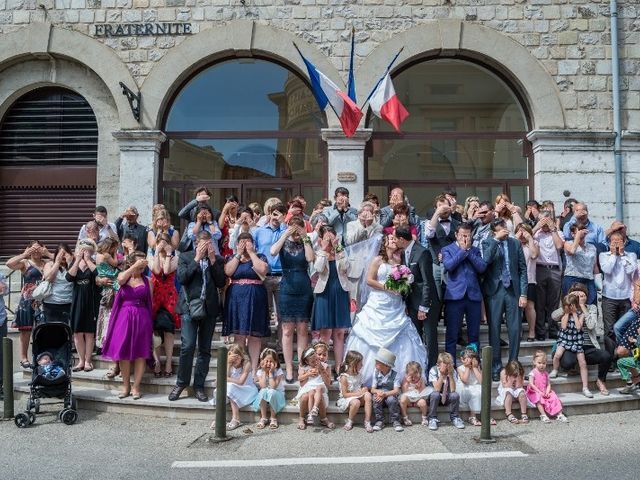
[[331, 308], [245, 308], [296, 294]]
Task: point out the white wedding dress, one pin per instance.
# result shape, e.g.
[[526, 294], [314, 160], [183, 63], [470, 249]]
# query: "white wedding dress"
[[382, 322]]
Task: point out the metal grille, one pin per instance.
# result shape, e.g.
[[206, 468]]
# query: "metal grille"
[[49, 126], [49, 215]]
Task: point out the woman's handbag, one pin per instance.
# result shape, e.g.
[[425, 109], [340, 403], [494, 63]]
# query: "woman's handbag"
[[197, 309], [43, 290]]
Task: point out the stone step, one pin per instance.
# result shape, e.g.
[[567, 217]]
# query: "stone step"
[[157, 405]]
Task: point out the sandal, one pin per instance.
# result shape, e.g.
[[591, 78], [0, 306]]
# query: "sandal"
[[406, 422], [88, 367], [301, 424], [315, 411], [475, 422], [524, 419], [26, 364], [368, 427], [168, 374], [602, 387], [113, 372], [348, 425], [327, 423], [233, 424], [262, 423], [544, 419], [273, 424], [77, 368], [512, 419], [310, 420], [493, 421]]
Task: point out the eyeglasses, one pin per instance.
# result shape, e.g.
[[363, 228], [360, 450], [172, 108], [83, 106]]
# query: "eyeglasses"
[[483, 213]]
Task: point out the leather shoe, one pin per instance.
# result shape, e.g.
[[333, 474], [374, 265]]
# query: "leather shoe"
[[200, 395], [175, 393], [495, 377]]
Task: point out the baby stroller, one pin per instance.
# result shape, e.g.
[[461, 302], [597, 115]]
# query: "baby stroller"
[[53, 339]]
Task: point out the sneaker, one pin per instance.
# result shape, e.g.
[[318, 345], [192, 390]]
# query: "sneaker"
[[562, 418], [629, 389], [397, 426], [378, 426], [553, 374], [433, 424], [544, 419], [458, 423], [587, 393]]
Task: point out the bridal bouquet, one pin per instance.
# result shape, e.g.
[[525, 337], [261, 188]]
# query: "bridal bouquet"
[[399, 280]]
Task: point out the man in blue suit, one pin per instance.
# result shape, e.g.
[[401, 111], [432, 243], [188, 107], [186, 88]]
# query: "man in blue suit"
[[505, 290], [463, 264]]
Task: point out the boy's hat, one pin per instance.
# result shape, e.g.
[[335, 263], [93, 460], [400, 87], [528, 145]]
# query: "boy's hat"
[[44, 354], [386, 357]]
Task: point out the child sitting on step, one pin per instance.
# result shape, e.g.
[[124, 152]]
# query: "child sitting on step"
[[512, 388], [415, 393], [385, 388], [271, 394], [539, 390], [315, 379], [470, 384], [443, 379], [353, 394]]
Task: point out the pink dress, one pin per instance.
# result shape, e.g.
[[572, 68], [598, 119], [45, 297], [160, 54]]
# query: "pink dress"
[[552, 404]]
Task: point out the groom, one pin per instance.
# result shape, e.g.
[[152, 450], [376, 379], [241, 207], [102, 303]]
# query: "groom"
[[419, 260]]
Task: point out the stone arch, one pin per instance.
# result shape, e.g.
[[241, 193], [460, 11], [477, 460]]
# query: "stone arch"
[[450, 38], [42, 40], [240, 38]]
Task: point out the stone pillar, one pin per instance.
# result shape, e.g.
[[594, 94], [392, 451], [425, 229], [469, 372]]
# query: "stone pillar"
[[139, 170], [577, 164], [346, 162]]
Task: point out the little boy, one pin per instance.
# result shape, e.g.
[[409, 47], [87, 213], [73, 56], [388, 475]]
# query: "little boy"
[[385, 389], [442, 378], [47, 368], [629, 365]]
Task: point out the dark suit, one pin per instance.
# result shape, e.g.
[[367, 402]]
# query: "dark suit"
[[419, 299], [463, 295], [499, 299], [190, 277], [386, 216]]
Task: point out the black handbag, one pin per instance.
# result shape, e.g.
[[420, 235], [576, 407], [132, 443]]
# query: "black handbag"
[[197, 309]]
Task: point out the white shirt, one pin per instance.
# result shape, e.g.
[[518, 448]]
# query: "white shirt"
[[430, 232], [548, 254], [407, 252], [618, 272]]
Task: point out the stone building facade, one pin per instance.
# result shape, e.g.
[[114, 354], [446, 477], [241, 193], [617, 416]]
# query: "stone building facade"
[[552, 56]]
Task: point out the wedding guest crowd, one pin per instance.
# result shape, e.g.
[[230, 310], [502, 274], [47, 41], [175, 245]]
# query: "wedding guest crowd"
[[371, 284]]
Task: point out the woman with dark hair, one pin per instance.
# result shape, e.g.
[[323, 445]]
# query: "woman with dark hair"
[[131, 327], [57, 306], [85, 303], [31, 264], [227, 221], [401, 219], [246, 312], [107, 278], [383, 322], [296, 294], [331, 312], [164, 264]]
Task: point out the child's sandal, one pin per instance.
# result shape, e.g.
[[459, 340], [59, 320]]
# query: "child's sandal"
[[368, 427], [327, 423], [233, 424], [475, 422], [406, 422], [302, 424], [348, 425], [273, 424], [544, 419], [310, 420], [512, 419], [524, 419], [262, 423], [315, 411]]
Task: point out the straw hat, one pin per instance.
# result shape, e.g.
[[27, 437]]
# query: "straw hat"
[[386, 357]]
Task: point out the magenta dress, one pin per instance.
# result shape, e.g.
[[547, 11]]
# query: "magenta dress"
[[130, 332], [551, 405]]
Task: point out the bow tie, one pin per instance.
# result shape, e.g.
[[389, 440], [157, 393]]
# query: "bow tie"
[[446, 220]]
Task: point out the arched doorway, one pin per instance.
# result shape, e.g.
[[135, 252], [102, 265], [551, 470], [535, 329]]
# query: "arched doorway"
[[48, 157], [467, 130], [244, 126]]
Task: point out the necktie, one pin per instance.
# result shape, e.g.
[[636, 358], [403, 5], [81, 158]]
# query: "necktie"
[[445, 390], [203, 266], [406, 257], [505, 275]]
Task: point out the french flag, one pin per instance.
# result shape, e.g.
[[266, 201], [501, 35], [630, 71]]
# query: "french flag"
[[327, 92], [385, 104]]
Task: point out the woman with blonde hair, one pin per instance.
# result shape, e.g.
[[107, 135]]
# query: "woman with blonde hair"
[[161, 223], [508, 211]]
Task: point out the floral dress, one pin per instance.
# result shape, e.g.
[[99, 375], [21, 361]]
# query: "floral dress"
[[571, 338], [26, 313]]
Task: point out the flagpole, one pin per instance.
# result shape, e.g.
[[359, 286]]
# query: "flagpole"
[[305, 63], [382, 77], [351, 83]]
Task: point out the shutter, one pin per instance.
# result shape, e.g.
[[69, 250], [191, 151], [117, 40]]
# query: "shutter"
[[48, 215]]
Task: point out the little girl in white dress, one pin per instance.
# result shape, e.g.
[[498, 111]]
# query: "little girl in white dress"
[[314, 378], [241, 391], [415, 393], [470, 385], [353, 394]]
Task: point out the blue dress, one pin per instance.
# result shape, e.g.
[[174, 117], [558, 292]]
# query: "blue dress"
[[296, 294], [245, 308], [331, 308], [25, 315]]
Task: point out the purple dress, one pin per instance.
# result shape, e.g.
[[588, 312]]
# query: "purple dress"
[[130, 332]]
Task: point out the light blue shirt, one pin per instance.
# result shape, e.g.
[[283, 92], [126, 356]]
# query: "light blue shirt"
[[264, 238], [215, 232], [594, 236]]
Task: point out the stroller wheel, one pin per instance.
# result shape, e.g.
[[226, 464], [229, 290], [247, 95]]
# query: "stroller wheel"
[[69, 417], [32, 418], [21, 420]]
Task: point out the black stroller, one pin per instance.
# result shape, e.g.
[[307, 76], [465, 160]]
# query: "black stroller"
[[53, 339]]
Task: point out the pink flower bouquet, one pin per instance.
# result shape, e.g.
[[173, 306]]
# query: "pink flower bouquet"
[[399, 280]]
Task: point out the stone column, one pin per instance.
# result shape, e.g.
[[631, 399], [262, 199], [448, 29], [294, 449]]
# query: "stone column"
[[139, 170], [346, 162]]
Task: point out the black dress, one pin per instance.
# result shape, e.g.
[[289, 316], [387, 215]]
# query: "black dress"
[[85, 303]]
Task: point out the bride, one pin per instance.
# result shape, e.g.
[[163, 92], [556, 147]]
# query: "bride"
[[382, 322]]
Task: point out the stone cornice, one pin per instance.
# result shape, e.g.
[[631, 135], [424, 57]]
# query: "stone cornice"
[[562, 140]]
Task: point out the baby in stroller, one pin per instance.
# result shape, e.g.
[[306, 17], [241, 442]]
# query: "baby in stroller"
[[48, 369]]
